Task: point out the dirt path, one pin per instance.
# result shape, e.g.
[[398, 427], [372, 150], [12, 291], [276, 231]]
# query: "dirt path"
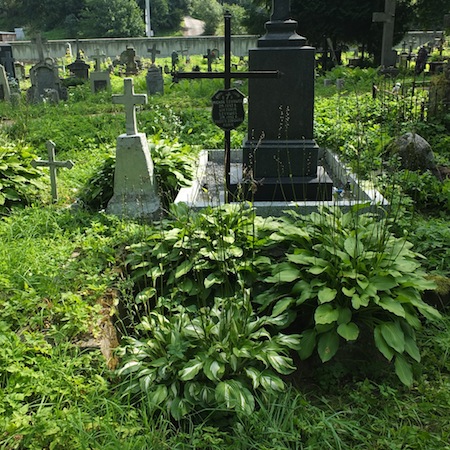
[[193, 27]]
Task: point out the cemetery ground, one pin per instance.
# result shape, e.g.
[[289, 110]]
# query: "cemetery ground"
[[221, 329]]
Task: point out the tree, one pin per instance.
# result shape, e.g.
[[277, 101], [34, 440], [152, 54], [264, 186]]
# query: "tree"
[[430, 13], [111, 18]]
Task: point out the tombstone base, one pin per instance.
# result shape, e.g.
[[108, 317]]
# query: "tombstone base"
[[281, 158], [100, 81], [135, 189], [285, 189]]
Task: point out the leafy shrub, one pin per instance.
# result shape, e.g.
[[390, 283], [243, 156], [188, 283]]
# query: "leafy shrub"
[[344, 273], [174, 165], [186, 361], [20, 183]]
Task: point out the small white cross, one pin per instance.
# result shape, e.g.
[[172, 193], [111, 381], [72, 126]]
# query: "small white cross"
[[130, 100], [52, 164]]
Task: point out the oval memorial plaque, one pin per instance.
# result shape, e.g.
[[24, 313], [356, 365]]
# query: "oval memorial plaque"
[[228, 108]]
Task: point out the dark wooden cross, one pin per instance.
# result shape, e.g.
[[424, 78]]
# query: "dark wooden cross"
[[153, 51], [388, 56], [52, 164], [227, 76]]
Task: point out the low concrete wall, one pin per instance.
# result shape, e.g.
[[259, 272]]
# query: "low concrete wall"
[[25, 51]]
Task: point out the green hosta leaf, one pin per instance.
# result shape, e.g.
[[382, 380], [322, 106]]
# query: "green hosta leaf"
[[213, 278], [213, 369], [270, 382], [235, 396], [393, 335], [403, 370], [362, 281], [307, 343], [303, 259], [282, 305], [183, 268], [411, 348], [179, 408], [158, 395], [191, 369], [317, 270], [254, 375], [345, 315], [286, 275], [354, 247], [381, 344], [326, 314], [349, 331], [391, 305], [130, 367], [327, 295], [328, 345], [289, 340], [282, 364], [383, 283], [348, 292]]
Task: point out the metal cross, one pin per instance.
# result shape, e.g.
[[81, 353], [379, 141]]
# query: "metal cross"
[[52, 164], [227, 76], [130, 100]]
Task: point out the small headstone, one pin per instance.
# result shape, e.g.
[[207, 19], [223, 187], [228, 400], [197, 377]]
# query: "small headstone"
[[79, 68], [135, 189], [5, 92], [128, 58], [155, 80], [53, 165], [228, 108], [7, 60], [45, 83], [100, 80]]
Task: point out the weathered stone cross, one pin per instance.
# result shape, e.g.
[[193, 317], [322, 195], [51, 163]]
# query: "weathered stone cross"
[[98, 58], [388, 56], [39, 41], [130, 100], [153, 52], [52, 164]]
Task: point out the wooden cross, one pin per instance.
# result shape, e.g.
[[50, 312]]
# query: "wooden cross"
[[130, 100], [52, 164], [388, 56], [153, 52], [227, 76], [98, 58]]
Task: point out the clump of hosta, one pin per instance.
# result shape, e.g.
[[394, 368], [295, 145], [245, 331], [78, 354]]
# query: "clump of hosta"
[[347, 271], [217, 357]]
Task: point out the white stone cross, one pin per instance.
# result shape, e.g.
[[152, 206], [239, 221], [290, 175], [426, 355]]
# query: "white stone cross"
[[52, 164], [130, 100]]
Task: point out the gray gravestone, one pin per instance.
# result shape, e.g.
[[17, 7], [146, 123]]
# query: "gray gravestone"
[[100, 80], [280, 152], [53, 165], [5, 92], [135, 190], [79, 68], [155, 80], [128, 58], [388, 55], [45, 82], [7, 60]]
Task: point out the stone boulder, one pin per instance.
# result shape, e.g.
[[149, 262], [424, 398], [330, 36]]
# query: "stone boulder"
[[414, 153]]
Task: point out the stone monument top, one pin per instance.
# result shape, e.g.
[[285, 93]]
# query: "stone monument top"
[[130, 100], [281, 29]]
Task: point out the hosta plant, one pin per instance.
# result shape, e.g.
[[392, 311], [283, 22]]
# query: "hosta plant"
[[344, 273], [20, 184], [187, 361]]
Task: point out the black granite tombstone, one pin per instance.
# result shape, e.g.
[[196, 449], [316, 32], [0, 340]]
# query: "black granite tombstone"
[[7, 60], [280, 153]]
